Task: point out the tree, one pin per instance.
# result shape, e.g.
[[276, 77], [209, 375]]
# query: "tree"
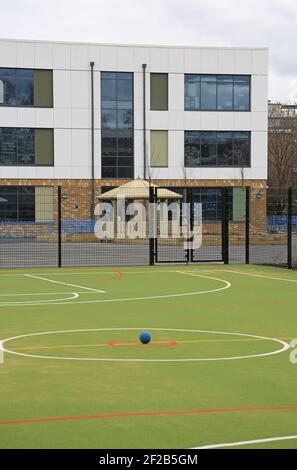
[[282, 146]]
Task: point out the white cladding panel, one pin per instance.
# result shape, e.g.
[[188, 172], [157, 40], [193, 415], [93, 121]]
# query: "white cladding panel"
[[71, 115]]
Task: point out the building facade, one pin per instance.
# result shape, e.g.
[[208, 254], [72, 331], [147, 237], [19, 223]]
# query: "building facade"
[[97, 116]]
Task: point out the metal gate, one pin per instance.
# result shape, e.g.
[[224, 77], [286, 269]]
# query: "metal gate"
[[201, 225]]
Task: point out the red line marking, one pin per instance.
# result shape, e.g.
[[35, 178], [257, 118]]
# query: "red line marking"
[[118, 275], [118, 344], [148, 413]]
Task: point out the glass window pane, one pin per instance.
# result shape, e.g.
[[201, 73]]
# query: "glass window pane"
[[208, 148], [125, 172], [242, 148], [109, 146], [108, 104], [192, 149], [208, 92], [109, 119], [109, 172], [8, 203], [124, 119], [25, 143], [109, 161], [8, 146], [7, 87], [25, 91], [108, 75], [108, 90], [225, 148], [26, 203], [125, 161], [125, 146], [24, 73], [224, 92], [124, 90], [159, 91], [124, 105], [192, 92], [241, 93]]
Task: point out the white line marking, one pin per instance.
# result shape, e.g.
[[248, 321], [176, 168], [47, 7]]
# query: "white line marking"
[[259, 275], [65, 283], [128, 299], [74, 295], [42, 293], [285, 346], [243, 443]]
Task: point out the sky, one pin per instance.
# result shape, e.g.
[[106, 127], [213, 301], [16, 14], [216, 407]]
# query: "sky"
[[245, 23]]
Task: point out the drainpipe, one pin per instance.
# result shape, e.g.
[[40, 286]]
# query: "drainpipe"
[[92, 143], [144, 123]]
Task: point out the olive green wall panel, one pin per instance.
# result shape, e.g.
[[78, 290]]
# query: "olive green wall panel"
[[159, 91], [44, 147], [159, 148], [43, 88]]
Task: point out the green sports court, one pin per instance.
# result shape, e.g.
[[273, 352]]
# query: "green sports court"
[[220, 369]]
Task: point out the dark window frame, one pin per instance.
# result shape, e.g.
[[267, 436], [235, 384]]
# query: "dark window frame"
[[17, 164], [200, 165], [216, 109], [118, 132], [28, 106], [17, 191]]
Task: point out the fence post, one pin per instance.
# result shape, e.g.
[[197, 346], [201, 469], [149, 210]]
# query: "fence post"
[[152, 226], [188, 200], [225, 226], [290, 226], [59, 227], [247, 225]]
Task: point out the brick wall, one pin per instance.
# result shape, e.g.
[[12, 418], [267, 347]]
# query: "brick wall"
[[76, 194]]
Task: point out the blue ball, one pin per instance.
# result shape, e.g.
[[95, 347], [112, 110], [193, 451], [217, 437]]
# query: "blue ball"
[[145, 337]]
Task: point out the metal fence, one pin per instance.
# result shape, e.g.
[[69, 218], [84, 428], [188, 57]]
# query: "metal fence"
[[145, 225]]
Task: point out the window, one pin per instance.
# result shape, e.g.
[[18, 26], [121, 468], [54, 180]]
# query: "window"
[[217, 149], [217, 92], [159, 91], [208, 92], [211, 200], [26, 147], [17, 203], [159, 148], [117, 142], [225, 148], [192, 91], [192, 149], [26, 87], [225, 92], [241, 93]]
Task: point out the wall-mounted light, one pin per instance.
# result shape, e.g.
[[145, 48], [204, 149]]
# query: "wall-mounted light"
[[65, 195], [258, 195]]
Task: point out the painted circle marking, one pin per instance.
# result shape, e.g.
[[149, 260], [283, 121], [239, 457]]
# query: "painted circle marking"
[[285, 346]]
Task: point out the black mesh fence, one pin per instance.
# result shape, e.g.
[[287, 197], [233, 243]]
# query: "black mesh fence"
[[28, 226], [294, 228], [140, 224], [116, 234], [269, 234]]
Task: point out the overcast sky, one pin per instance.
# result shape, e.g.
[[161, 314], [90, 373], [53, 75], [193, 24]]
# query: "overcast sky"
[[269, 23]]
